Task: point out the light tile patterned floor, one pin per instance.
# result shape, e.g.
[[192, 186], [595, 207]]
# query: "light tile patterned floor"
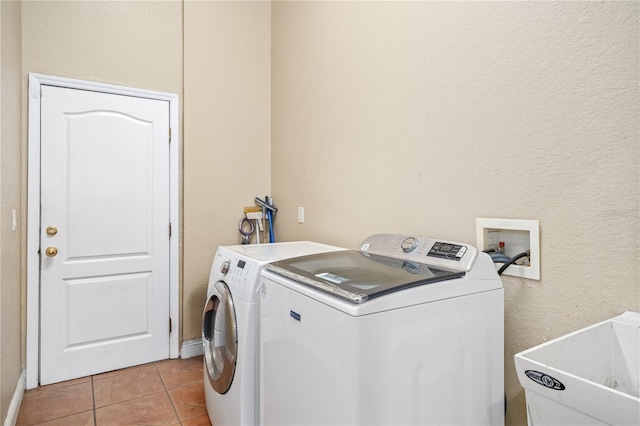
[[167, 392]]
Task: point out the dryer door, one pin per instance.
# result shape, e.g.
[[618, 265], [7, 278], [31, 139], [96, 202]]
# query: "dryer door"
[[219, 335]]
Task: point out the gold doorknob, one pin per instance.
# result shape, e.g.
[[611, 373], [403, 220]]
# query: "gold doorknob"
[[52, 230], [51, 251]]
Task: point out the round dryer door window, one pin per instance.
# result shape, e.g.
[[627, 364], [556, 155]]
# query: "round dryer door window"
[[219, 334]]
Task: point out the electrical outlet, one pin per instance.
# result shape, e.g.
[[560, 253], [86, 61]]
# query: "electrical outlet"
[[300, 214], [518, 236]]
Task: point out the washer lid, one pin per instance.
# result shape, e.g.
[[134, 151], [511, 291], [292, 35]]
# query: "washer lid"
[[358, 276]]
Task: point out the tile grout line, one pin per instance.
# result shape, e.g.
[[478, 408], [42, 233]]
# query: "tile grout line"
[[133, 398], [93, 397], [164, 385], [40, 389]]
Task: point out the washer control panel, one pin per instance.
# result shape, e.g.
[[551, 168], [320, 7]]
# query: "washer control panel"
[[447, 250], [448, 254]]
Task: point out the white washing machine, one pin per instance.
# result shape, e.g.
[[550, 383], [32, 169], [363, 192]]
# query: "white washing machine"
[[230, 328], [404, 331]]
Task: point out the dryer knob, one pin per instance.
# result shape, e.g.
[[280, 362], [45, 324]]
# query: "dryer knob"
[[225, 267]]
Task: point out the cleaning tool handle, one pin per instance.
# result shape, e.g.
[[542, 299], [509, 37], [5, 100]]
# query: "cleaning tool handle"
[[265, 205]]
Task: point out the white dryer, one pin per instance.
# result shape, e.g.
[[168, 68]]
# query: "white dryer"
[[403, 331], [230, 328]]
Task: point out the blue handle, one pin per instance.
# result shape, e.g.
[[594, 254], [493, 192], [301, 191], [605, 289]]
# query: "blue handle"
[[272, 238]]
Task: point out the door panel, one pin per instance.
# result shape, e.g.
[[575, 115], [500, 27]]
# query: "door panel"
[[111, 209], [105, 187], [128, 313]]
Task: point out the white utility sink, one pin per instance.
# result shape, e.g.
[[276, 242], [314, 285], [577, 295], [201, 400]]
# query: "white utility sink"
[[589, 377]]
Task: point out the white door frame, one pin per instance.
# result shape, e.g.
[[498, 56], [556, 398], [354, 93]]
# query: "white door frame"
[[33, 210]]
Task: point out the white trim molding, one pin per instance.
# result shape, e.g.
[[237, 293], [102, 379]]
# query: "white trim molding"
[[16, 401], [191, 348], [33, 211]]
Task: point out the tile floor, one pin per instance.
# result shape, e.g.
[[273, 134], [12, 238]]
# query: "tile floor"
[[167, 392]]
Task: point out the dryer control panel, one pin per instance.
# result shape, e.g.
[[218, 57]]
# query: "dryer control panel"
[[239, 271], [236, 271], [447, 254]]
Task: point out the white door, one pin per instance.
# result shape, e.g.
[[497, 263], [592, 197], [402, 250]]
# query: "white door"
[[104, 232]]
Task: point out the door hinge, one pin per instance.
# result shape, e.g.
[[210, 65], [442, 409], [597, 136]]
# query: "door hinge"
[[170, 325], [169, 134], [169, 229]]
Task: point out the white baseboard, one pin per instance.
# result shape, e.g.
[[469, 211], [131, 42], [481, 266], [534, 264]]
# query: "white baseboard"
[[191, 348], [16, 401]]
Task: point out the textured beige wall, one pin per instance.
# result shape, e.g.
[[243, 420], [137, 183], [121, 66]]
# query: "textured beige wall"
[[227, 79], [130, 43], [10, 199], [418, 117]]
